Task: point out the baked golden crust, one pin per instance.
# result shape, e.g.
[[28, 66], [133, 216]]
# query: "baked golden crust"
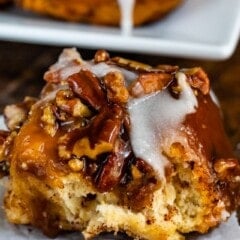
[[72, 166], [104, 12]]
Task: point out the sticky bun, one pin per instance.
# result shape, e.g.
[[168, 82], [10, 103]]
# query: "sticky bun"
[[117, 145]]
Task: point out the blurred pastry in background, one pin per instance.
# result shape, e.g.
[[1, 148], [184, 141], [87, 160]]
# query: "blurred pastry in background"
[[104, 12], [117, 145]]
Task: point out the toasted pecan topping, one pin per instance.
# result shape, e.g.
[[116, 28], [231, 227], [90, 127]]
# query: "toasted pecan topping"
[[116, 90], [48, 120], [130, 64], [76, 164], [222, 166], [101, 56], [63, 152], [142, 166], [3, 139], [198, 79], [148, 83], [6, 143], [136, 174], [83, 148], [85, 85], [16, 114], [96, 138], [66, 101], [167, 68]]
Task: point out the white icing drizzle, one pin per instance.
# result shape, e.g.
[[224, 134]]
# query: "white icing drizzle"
[[156, 116], [126, 12], [101, 69], [70, 62], [214, 98], [156, 119]]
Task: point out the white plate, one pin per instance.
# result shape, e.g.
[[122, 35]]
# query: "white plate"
[[197, 29]]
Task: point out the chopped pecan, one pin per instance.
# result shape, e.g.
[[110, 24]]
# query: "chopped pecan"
[[67, 141], [148, 83], [76, 164], [83, 148], [101, 56], [136, 174], [48, 120], [130, 64], [198, 79], [63, 152], [223, 166], [7, 141], [116, 90], [142, 166], [97, 137], [167, 68], [66, 101], [16, 114], [3, 139], [102, 133], [88, 88]]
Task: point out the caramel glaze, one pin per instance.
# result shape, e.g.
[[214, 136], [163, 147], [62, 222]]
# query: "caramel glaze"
[[209, 132], [35, 151]]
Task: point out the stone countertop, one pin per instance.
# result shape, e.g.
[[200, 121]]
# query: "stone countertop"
[[22, 67]]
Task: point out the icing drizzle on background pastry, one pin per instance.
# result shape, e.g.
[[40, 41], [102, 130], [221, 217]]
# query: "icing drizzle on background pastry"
[[126, 10]]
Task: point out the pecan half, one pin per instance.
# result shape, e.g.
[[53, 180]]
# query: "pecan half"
[[111, 172], [148, 83], [88, 88]]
